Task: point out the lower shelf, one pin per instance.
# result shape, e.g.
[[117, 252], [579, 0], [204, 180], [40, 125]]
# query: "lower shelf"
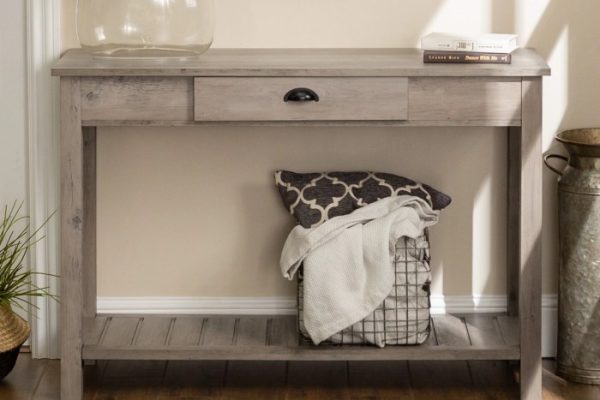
[[149, 337]]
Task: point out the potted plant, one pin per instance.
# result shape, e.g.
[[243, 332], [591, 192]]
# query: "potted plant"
[[16, 286]]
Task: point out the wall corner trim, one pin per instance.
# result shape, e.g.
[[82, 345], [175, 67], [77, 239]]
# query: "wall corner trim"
[[43, 49]]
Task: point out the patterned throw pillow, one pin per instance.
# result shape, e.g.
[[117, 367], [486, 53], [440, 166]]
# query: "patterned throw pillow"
[[313, 198]]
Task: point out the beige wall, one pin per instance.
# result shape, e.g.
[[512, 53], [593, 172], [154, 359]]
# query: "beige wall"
[[13, 107], [193, 212], [13, 104]]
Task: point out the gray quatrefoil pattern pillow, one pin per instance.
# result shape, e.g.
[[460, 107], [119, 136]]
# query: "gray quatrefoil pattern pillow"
[[314, 198]]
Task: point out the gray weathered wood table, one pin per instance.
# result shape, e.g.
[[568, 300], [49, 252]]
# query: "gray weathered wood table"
[[355, 87]]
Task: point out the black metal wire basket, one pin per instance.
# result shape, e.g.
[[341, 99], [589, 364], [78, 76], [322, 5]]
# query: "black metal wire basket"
[[403, 318]]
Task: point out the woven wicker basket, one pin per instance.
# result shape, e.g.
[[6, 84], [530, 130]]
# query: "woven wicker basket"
[[14, 331]]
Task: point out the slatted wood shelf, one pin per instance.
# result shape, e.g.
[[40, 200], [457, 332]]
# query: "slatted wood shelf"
[[152, 337]]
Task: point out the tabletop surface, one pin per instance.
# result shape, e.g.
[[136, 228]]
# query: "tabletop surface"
[[294, 62]]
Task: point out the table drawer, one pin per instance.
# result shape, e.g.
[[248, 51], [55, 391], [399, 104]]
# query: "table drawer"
[[137, 98], [333, 99], [465, 99]]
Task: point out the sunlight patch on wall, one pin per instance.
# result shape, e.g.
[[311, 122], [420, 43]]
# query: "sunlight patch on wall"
[[529, 15], [466, 17], [556, 88], [482, 250]]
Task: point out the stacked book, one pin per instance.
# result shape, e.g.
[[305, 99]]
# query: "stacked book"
[[491, 48]]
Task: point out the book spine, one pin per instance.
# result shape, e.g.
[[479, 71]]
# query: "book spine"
[[441, 57], [488, 46]]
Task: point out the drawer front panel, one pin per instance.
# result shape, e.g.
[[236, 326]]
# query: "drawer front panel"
[[262, 99], [465, 99], [137, 99]]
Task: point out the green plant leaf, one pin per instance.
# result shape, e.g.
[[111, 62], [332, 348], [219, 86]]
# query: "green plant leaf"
[[16, 239]]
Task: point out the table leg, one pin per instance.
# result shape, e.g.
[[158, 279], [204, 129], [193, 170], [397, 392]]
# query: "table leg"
[[530, 248], [513, 220], [89, 224], [72, 222]]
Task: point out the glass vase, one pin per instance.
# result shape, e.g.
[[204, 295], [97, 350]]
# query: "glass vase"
[[145, 28]]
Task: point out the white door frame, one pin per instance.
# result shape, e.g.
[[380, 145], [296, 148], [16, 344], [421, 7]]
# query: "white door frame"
[[43, 49]]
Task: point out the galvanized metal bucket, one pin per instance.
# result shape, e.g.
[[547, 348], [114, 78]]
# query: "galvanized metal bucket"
[[579, 236]]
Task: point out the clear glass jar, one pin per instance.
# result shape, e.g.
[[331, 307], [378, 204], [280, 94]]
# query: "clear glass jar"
[[134, 28]]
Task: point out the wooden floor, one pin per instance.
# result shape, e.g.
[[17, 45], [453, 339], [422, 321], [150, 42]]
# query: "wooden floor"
[[415, 380]]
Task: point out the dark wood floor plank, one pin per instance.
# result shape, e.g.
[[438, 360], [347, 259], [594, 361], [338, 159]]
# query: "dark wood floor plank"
[[556, 388], [202, 380], [252, 373], [129, 380], [205, 380], [92, 378], [255, 380], [49, 385], [124, 391], [379, 380], [21, 383], [317, 380], [495, 378], [448, 380], [127, 370]]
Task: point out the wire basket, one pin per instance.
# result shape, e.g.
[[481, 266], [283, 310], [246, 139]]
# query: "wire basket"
[[403, 318]]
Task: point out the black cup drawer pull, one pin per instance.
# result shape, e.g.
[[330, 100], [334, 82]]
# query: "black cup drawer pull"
[[301, 94]]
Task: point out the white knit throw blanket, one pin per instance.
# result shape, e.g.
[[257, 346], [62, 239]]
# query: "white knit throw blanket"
[[347, 261]]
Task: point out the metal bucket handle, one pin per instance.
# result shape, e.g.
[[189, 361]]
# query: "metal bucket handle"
[[549, 156]]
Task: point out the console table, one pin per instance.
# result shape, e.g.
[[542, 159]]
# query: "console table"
[[370, 87]]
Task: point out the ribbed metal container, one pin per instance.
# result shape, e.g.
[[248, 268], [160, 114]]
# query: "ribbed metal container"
[[579, 236]]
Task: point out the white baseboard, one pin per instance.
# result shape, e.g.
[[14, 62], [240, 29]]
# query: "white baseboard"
[[441, 304], [198, 305], [549, 325], [43, 50], [287, 306]]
